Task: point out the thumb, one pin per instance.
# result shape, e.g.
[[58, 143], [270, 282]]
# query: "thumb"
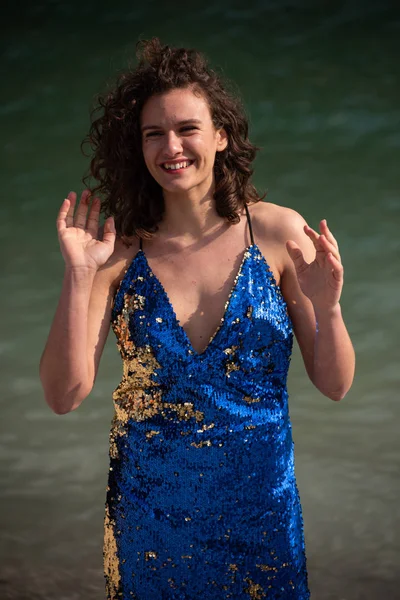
[[296, 255]]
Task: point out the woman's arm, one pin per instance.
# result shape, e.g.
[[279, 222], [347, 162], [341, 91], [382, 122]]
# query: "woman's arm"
[[70, 360], [334, 358], [312, 283]]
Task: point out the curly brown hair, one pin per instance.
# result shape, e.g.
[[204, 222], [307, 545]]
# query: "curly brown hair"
[[130, 194]]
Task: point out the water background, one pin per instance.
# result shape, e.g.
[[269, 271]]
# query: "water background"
[[320, 81]]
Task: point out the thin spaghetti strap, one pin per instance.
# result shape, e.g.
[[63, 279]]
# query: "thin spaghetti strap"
[[250, 226], [140, 244]]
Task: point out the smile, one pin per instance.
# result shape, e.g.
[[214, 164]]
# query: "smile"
[[176, 167]]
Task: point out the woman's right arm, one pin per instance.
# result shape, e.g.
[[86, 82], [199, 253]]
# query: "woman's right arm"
[[71, 357]]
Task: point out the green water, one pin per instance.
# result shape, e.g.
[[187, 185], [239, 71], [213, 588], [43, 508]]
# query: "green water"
[[320, 81]]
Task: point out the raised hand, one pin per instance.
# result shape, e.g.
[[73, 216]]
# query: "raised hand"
[[321, 280], [78, 233]]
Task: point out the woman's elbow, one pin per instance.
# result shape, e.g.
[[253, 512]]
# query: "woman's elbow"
[[62, 405], [336, 396]]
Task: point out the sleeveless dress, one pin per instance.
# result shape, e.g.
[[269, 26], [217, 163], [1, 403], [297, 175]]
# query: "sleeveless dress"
[[202, 500]]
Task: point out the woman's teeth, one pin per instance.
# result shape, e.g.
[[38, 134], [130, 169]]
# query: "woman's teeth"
[[174, 166]]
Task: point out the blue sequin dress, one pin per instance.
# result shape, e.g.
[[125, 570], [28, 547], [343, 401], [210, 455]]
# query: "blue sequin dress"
[[202, 501]]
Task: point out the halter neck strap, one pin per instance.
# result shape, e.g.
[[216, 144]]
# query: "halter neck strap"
[[250, 226]]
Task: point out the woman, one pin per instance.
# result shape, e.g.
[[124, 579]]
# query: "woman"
[[204, 286]]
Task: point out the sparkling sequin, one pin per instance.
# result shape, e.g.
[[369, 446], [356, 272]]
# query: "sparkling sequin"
[[202, 500]]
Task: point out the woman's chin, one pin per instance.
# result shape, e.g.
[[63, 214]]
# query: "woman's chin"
[[176, 186]]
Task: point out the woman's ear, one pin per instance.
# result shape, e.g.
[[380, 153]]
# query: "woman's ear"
[[222, 140]]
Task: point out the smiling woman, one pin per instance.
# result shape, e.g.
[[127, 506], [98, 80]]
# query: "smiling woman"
[[202, 500], [128, 130], [185, 152]]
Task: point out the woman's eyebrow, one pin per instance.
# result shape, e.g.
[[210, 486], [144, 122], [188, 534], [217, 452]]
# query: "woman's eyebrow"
[[185, 122]]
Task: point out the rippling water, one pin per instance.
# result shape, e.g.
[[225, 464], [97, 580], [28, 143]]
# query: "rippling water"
[[320, 81]]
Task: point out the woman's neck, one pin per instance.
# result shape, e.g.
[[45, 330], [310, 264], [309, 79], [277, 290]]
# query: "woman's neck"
[[189, 217]]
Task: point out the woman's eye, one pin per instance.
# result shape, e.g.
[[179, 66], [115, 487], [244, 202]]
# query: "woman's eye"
[[183, 130]]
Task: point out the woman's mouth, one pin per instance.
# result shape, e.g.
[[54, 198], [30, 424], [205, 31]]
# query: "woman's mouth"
[[176, 167]]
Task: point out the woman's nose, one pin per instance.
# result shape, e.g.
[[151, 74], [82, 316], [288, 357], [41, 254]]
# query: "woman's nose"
[[173, 143]]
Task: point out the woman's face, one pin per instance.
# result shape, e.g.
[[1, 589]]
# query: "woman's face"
[[179, 141]]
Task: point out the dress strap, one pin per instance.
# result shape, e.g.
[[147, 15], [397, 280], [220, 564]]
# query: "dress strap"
[[140, 243], [250, 226]]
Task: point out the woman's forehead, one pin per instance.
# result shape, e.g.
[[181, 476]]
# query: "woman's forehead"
[[176, 105]]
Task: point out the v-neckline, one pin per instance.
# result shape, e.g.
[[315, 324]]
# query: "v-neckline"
[[227, 303]]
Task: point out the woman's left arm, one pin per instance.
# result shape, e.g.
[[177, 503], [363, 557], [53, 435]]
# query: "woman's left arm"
[[312, 283]]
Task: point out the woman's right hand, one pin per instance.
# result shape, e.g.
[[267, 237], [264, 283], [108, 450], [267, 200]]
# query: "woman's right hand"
[[78, 240]]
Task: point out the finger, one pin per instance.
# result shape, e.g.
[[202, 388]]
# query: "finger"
[[62, 215], [311, 232], [328, 246], [327, 232], [337, 269], [322, 245], [70, 215], [296, 255], [109, 231], [318, 245], [81, 212], [93, 218]]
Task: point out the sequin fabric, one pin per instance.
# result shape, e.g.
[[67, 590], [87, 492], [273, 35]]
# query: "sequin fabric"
[[202, 500]]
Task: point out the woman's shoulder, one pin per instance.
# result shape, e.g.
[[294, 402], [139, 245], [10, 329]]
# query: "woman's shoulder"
[[276, 220]]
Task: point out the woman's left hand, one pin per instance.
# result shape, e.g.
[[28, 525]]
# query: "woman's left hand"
[[321, 280]]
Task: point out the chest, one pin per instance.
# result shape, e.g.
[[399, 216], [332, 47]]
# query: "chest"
[[199, 287], [254, 319]]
